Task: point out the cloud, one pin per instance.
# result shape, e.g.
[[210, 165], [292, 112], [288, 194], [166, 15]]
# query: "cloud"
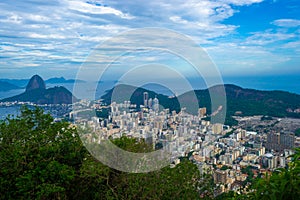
[[242, 2], [46, 36], [287, 23], [268, 37], [94, 8], [247, 58], [63, 32]]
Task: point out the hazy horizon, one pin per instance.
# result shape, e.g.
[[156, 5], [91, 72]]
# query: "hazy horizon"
[[268, 83]]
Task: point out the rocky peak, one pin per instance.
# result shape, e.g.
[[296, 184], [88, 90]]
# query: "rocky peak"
[[36, 82]]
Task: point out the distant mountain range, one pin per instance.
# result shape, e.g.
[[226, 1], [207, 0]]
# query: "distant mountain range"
[[241, 101], [12, 84], [36, 92], [15, 84], [61, 80], [5, 86]]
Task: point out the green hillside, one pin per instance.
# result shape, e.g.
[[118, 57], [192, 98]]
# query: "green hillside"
[[246, 101], [55, 95], [36, 92]]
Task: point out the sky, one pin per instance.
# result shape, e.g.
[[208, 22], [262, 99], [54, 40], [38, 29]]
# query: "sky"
[[242, 37]]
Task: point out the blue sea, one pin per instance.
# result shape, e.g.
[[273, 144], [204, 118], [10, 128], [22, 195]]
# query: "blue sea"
[[5, 111], [284, 83]]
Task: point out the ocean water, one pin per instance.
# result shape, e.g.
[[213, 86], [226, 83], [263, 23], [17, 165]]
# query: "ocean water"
[[5, 111], [10, 93], [284, 83]]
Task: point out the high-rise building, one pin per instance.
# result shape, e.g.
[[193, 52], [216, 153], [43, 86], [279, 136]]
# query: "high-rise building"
[[273, 141], [150, 103], [217, 128], [287, 140], [227, 158], [201, 112], [220, 176], [146, 97], [282, 161], [155, 104], [280, 141]]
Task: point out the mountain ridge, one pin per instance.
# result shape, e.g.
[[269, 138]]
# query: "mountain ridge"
[[36, 82], [240, 100], [6, 86], [21, 83], [36, 92], [57, 80]]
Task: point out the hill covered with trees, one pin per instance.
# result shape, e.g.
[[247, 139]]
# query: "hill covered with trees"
[[245, 102], [40, 159], [36, 92]]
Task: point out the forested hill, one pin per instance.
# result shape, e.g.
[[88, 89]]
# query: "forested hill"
[[36, 92], [240, 101], [253, 102]]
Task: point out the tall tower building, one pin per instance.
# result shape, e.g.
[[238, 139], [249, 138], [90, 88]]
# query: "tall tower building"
[[155, 104], [201, 112], [273, 141], [217, 128], [287, 140], [150, 103], [146, 97], [280, 141], [220, 176]]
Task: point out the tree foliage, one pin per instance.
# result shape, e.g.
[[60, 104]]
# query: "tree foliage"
[[297, 132], [40, 159]]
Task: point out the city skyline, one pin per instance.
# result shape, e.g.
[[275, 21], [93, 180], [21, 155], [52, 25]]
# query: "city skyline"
[[248, 37]]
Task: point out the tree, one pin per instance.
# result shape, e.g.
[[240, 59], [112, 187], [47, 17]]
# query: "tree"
[[181, 182], [297, 132], [38, 158], [43, 159]]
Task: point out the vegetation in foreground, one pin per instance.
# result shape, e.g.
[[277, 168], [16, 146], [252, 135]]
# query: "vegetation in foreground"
[[40, 159]]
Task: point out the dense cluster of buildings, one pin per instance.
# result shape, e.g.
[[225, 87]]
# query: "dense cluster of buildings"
[[234, 156]]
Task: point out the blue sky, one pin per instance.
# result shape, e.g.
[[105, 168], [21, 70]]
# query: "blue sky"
[[243, 37]]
